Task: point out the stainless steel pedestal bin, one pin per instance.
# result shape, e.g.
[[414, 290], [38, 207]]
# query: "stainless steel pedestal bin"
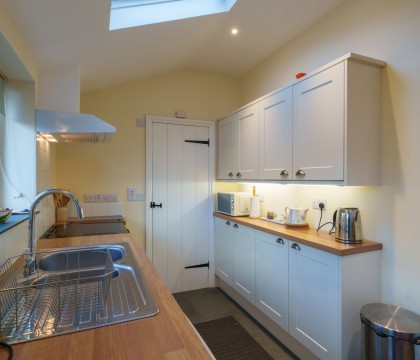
[[389, 332]]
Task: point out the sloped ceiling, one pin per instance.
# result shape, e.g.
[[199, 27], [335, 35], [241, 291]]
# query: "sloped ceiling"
[[61, 32]]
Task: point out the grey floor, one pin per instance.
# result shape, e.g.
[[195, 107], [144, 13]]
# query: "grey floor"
[[209, 304]]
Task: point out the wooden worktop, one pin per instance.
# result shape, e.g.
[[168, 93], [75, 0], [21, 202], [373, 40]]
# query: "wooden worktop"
[[167, 335], [320, 240]]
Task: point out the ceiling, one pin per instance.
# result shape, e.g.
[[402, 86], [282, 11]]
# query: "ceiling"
[[60, 32]]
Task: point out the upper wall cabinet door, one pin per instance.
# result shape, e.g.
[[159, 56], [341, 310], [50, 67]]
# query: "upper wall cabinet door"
[[248, 143], [275, 136], [238, 145], [318, 126], [228, 148]]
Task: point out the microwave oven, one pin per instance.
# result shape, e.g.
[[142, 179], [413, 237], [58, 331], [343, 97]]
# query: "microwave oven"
[[233, 203]]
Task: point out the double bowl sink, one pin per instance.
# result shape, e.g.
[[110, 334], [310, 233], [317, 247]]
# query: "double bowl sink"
[[74, 289]]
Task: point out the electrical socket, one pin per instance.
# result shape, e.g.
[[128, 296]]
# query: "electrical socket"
[[89, 198], [317, 201], [98, 197], [110, 197]]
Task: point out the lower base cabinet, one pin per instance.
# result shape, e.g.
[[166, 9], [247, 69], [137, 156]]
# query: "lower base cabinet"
[[314, 300], [235, 257], [272, 278], [313, 295]]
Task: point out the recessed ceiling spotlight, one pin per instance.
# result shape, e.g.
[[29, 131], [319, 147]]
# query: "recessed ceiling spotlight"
[[234, 31]]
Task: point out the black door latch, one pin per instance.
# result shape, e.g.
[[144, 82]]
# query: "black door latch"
[[154, 205]]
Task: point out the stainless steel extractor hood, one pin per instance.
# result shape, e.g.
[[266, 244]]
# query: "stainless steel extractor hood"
[[59, 126]]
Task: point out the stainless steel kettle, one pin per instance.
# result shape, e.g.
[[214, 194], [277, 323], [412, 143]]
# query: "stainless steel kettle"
[[348, 225]]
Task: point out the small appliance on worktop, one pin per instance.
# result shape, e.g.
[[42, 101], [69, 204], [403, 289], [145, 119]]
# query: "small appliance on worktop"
[[233, 203], [83, 229]]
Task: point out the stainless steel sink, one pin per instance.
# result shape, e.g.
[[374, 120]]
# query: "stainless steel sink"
[[74, 289], [81, 259]]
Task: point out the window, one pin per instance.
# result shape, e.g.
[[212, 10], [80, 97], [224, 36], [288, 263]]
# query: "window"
[[2, 98], [129, 13]]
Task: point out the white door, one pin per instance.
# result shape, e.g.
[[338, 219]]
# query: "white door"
[[223, 244], [228, 148], [314, 300], [272, 269], [318, 126], [244, 261], [275, 132], [180, 203], [248, 143]]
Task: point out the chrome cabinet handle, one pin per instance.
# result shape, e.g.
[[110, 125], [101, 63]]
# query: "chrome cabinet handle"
[[300, 172], [230, 174], [295, 246], [284, 173], [235, 226], [227, 223], [238, 174], [280, 241]]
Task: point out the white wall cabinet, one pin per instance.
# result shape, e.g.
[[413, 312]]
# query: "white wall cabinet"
[[275, 136], [318, 126], [324, 128], [272, 277], [238, 145], [313, 295]]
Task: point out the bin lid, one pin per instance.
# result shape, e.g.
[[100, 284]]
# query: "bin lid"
[[392, 320]]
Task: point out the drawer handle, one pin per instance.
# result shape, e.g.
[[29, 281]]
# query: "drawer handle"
[[238, 174], [235, 226], [300, 172], [284, 173], [280, 241], [227, 223], [295, 246], [230, 174]]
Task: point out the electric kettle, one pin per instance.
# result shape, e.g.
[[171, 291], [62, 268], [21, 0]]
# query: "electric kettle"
[[348, 225]]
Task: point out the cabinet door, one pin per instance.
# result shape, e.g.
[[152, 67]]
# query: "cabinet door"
[[248, 143], [275, 136], [228, 148], [223, 254], [272, 278], [318, 126], [314, 300], [244, 262]]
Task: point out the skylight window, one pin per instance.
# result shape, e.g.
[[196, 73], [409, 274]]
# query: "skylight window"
[[129, 13]]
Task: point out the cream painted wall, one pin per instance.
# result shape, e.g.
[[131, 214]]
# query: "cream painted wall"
[[388, 30], [25, 163], [114, 166]]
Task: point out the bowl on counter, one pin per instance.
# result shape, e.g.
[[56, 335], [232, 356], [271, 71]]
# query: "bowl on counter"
[[4, 215]]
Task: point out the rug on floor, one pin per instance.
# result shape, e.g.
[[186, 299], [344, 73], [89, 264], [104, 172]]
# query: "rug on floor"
[[228, 340]]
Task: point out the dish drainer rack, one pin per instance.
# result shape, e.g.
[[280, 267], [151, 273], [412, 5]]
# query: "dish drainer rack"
[[50, 301]]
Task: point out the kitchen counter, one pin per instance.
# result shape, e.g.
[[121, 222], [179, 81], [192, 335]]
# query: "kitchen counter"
[[167, 335], [320, 240]]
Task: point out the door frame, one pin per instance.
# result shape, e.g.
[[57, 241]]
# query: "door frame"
[[150, 119]]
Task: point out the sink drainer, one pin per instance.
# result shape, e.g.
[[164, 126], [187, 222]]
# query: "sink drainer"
[[47, 302]]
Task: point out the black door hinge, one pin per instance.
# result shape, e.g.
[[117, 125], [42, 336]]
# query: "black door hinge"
[[204, 142], [198, 266]]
